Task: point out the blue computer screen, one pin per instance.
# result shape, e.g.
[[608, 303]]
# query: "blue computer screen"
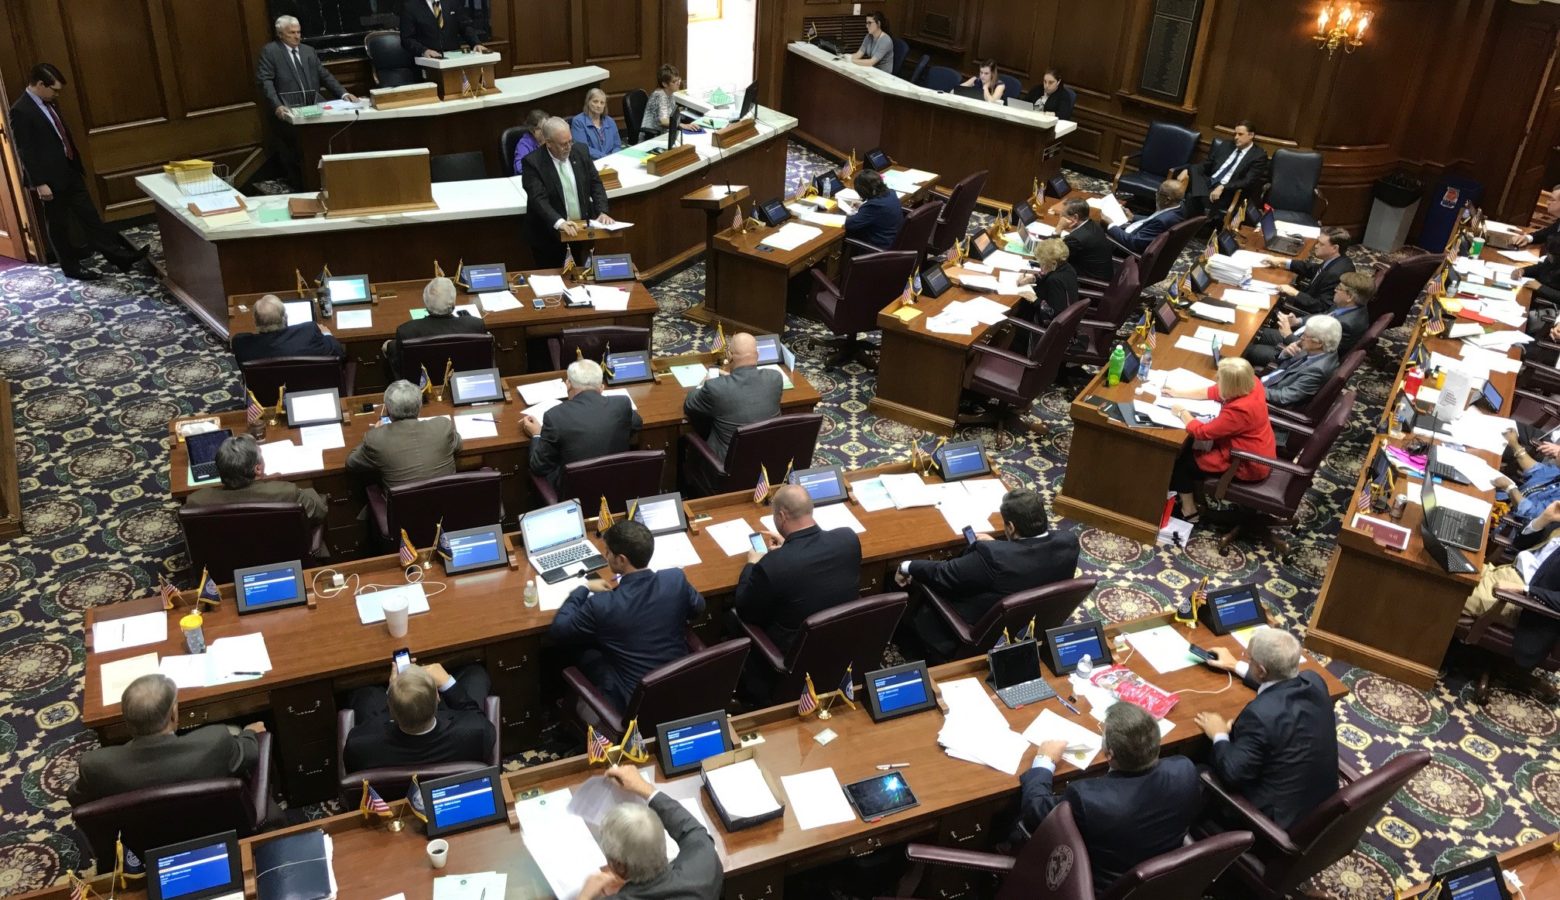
[[820, 485], [463, 802], [628, 365], [270, 586], [1482, 885], [768, 350], [193, 870], [897, 691], [473, 549], [614, 267], [1235, 609], [1072, 646], [478, 386], [691, 743], [962, 460], [485, 278]]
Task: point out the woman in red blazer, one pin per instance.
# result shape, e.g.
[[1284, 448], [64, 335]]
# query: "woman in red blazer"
[[1242, 424]]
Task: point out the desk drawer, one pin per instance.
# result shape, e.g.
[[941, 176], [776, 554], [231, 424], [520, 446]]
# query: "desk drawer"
[[304, 716], [309, 772], [765, 884], [969, 829], [225, 710], [515, 667], [868, 844]]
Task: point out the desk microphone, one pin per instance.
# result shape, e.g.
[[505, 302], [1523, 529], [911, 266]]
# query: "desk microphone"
[[339, 132]]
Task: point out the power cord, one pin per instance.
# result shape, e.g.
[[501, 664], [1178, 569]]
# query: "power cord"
[[1228, 683]]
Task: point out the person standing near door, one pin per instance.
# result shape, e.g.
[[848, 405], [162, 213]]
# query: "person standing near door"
[[52, 169]]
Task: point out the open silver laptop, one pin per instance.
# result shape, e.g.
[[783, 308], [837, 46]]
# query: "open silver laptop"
[[555, 542]]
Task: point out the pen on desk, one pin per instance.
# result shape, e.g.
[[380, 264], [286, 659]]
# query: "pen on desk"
[[483, 419], [1070, 708], [248, 673], [886, 766]]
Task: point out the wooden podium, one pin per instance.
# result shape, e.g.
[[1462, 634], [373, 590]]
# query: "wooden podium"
[[716, 200], [362, 184], [467, 75]]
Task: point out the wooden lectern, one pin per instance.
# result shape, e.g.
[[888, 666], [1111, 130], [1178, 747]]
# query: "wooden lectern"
[[717, 201], [464, 75], [360, 184]]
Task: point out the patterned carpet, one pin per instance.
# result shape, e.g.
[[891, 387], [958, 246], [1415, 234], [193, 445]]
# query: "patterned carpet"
[[97, 370]]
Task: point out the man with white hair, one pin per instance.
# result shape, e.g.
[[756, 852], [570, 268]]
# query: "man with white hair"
[[1298, 376], [273, 337], [633, 839], [291, 74], [406, 448], [586, 425], [442, 319], [1282, 753], [562, 187]]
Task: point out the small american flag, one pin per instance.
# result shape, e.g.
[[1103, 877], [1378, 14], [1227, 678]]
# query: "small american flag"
[[736, 217], [596, 745], [809, 699], [254, 411], [1363, 503], [372, 802], [761, 490], [408, 552], [170, 594], [78, 890]]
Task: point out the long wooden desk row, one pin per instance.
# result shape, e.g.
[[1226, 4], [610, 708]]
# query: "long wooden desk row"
[[1402, 625], [660, 406], [518, 334], [960, 803]]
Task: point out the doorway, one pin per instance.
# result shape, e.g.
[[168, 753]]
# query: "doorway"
[[13, 241], [722, 35]]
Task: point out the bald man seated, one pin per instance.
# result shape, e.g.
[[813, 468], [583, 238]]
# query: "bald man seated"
[[274, 338], [803, 570], [741, 397]]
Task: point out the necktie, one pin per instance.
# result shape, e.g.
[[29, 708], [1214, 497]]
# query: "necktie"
[[1229, 166], [298, 70], [438, 13], [70, 150], [571, 194]]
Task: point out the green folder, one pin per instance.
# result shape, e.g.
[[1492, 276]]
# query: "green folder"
[[420, 313]]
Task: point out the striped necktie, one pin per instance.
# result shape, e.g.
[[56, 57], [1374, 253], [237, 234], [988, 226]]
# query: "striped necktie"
[[438, 13]]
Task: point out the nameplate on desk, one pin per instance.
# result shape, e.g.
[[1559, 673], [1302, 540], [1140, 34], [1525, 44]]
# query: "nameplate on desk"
[[610, 179], [405, 95], [735, 133], [670, 161], [1393, 537]]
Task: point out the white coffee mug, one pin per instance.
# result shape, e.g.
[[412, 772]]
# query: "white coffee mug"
[[438, 852], [395, 608]]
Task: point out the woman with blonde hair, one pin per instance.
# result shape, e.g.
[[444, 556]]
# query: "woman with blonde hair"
[[1242, 424], [1056, 282], [594, 128]]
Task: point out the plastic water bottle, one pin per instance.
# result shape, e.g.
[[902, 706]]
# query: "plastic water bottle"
[[1147, 362], [1118, 359], [1085, 666], [531, 594]]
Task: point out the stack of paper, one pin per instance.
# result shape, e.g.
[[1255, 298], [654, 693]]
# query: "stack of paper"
[[673, 551], [560, 842], [1110, 209], [546, 285], [871, 495], [1228, 270], [1001, 259], [817, 798], [1476, 470], [287, 458], [827, 220], [474, 427], [607, 299], [116, 676], [952, 322], [1082, 744], [497, 301], [790, 236], [1164, 648], [974, 730], [537, 391], [1214, 313], [741, 790], [323, 437], [909, 490], [1250, 301], [1186, 380]]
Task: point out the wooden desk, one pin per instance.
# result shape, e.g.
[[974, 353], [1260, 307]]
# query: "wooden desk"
[[960, 803], [519, 335], [847, 107], [1117, 475], [660, 406], [1537, 863]]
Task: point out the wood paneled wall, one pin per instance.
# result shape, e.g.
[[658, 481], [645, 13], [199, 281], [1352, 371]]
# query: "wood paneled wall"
[[154, 80]]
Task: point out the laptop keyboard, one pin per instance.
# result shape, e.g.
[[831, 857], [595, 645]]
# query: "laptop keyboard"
[[204, 471], [565, 556], [1446, 473], [1463, 530], [1286, 245], [1456, 561], [1026, 693]]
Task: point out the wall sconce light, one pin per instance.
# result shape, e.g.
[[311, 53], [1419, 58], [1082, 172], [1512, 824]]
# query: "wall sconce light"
[[1341, 24]]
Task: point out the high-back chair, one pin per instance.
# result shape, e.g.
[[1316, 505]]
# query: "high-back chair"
[[507, 142], [1014, 380], [263, 377], [464, 351], [619, 477], [467, 166], [871, 282], [1048, 606], [851, 634], [942, 78], [1053, 863], [634, 103], [773, 444], [393, 66], [461, 500], [221, 537], [1166, 148], [1311, 412], [1292, 186], [704, 680], [1097, 332], [592, 343], [954, 222], [1184, 873], [1401, 283], [392, 782]]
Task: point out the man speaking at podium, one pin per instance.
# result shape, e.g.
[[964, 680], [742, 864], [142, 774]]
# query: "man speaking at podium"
[[290, 74], [562, 187], [432, 28]]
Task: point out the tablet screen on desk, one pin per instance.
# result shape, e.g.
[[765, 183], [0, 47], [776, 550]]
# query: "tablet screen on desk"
[[274, 586], [298, 311], [628, 367], [773, 212], [768, 349], [476, 386], [194, 870], [312, 407], [1024, 213], [614, 267], [899, 691], [963, 459], [487, 277], [459, 802], [1479, 880], [825, 484], [879, 796], [347, 289], [1069, 644], [661, 514], [1233, 608], [934, 281], [470, 549], [684, 743]]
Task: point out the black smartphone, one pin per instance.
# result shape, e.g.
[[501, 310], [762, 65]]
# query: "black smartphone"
[[1199, 652], [367, 407], [756, 540], [969, 534], [403, 658]]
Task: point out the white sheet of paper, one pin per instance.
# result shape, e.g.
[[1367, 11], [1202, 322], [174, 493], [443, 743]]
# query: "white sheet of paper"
[[1226, 338], [498, 301], [1216, 313], [673, 551], [470, 886], [130, 631], [871, 495], [371, 610], [1048, 726], [560, 843], [985, 310], [837, 515], [347, 319], [732, 536], [116, 676], [538, 410], [243, 653], [323, 437], [816, 798], [546, 285], [476, 426], [551, 596], [1110, 209], [1002, 259], [607, 299], [1187, 380], [1193, 344], [187, 671], [1248, 300], [742, 790], [621, 392], [287, 458], [790, 236], [909, 490], [537, 391], [1164, 648]]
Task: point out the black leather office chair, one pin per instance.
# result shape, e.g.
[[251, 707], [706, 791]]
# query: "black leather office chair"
[[468, 166], [393, 66], [634, 103], [507, 142]]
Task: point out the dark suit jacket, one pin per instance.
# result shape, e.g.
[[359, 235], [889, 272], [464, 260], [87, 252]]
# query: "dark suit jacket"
[[430, 326], [1123, 817], [1299, 378], [1088, 251], [420, 30], [1153, 226], [313, 504], [877, 221], [1061, 102], [208, 752], [281, 82], [1249, 175], [813, 571], [303, 339], [744, 396], [637, 627], [461, 732], [1282, 754], [976, 580], [544, 202], [695, 874], [1354, 323], [39, 147], [407, 450], [1055, 292], [585, 426], [1316, 282]]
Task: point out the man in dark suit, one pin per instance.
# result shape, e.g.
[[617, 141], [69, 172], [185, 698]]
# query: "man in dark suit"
[[442, 319], [1088, 249], [157, 754], [407, 448], [1241, 166], [633, 840], [1313, 291], [1282, 753], [1137, 234], [1552, 207], [290, 74], [52, 169], [584, 426], [1298, 376], [1351, 300], [274, 338], [879, 217], [239, 465], [432, 28], [804, 569], [741, 397], [562, 187], [1028, 556], [424, 718], [626, 627], [1141, 808]]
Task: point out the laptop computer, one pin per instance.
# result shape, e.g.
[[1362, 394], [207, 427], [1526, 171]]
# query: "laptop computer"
[[1434, 467], [1450, 526], [972, 91], [203, 453], [555, 542], [1282, 244], [1449, 558], [1016, 675]]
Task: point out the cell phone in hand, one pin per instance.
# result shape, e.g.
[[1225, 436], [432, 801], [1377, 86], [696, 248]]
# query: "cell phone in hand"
[[757, 541], [403, 658], [1199, 652], [969, 534]]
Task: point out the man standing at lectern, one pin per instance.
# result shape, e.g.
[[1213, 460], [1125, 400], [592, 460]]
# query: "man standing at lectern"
[[562, 187], [290, 74], [432, 28]]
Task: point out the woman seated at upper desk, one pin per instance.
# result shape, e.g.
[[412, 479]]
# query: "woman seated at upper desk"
[[594, 128], [991, 87], [1242, 424], [877, 48], [661, 110], [1051, 96]]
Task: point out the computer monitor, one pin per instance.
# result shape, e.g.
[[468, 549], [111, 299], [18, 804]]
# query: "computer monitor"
[[1199, 280], [473, 549], [749, 102], [682, 744], [972, 91], [1481, 879], [962, 459], [458, 802], [899, 691], [1269, 227], [1490, 397], [346, 290], [202, 449], [1166, 317], [195, 870], [773, 212], [1059, 186], [298, 311], [312, 407], [877, 160], [1233, 608], [611, 267], [768, 349], [1016, 663], [268, 587], [1024, 214], [1067, 645], [934, 281], [982, 246], [484, 277], [661, 514], [476, 386], [828, 183], [1228, 243], [825, 484], [629, 367]]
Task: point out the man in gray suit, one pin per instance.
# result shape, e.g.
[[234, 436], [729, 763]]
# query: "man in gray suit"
[[290, 74], [745, 396], [406, 448], [584, 426], [633, 839], [156, 755], [1299, 375], [239, 465]]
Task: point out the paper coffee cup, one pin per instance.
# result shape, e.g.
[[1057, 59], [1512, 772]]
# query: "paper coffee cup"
[[395, 608], [438, 852]]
